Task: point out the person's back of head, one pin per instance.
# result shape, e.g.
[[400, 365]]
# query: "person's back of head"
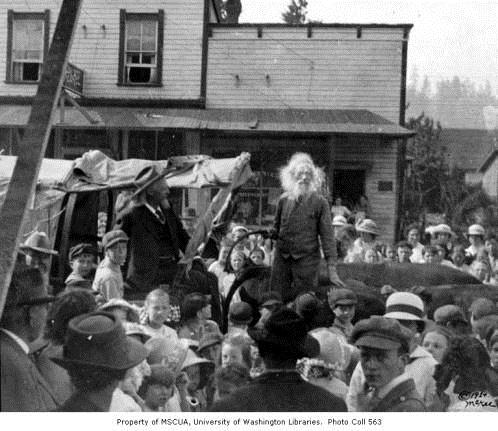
[[229, 378]]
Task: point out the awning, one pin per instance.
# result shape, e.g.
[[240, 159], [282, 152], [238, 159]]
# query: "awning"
[[316, 121]]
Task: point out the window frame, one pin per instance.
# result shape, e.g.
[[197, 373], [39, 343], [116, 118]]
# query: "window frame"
[[13, 16], [125, 16]]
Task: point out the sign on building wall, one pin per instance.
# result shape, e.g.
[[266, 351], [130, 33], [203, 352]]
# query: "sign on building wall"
[[73, 79]]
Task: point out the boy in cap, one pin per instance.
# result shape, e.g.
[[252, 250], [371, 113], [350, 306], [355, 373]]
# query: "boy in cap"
[[108, 277], [82, 258], [384, 345], [453, 318], [342, 302]]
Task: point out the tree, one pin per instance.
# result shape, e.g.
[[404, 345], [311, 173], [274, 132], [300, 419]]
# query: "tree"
[[296, 12]]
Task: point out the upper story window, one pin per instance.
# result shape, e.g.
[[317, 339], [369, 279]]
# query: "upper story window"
[[27, 45], [141, 48]]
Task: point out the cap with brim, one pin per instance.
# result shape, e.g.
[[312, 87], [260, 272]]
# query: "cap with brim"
[[80, 249], [449, 313], [378, 341], [38, 241], [113, 237], [145, 178], [98, 340], [381, 333], [342, 297]]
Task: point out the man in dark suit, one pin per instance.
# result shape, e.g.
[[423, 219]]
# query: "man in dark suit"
[[156, 233], [22, 386], [280, 388]]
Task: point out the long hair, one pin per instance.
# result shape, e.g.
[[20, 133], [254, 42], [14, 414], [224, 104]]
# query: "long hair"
[[288, 174]]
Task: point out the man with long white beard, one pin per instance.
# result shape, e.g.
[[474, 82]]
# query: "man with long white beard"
[[302, 224]]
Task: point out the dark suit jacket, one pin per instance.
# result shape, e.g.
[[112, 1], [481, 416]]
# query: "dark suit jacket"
[[149, 240], [23, 389], [300, 224], [402, 398], [280, 392]]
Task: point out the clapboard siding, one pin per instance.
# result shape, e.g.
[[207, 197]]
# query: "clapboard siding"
[[331, 70], [381, 157], [96, 51], [490, 180]]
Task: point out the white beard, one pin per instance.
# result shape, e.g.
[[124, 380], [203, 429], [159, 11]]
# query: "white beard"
[[301, 191]]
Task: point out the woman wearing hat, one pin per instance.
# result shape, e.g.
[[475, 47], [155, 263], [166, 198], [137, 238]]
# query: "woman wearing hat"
[[368, 231], [475, 234]]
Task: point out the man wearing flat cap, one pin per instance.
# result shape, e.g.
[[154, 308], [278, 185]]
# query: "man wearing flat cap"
[[281, 342], [408, 310], [22, 386], [384, 346], [156, 233]]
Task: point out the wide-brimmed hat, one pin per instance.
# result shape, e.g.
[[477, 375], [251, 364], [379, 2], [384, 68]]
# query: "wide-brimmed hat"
[[286, 333], [38, 241], [381, 333], [27, 292], [405, 306], [209, 339], [99, 340], [206, 366], [146, 177], [476, 229], [168, 352], [442, 228], [133, 312], [332, 350], [134, 329], [339, 220], [368, 226]]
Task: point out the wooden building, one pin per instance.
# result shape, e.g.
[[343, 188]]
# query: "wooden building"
[[163, 78]]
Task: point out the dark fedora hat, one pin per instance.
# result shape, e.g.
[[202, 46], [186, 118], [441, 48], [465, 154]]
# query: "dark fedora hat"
[[146, 177], [99, 340], [285, 333]]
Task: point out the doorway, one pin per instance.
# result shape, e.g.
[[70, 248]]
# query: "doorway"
[[349, 185]]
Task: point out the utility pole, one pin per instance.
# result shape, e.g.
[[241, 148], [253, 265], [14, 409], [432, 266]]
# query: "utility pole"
[[32, 149]]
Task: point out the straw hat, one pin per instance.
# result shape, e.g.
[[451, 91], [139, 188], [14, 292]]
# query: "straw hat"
[[368, 226], [38, 241]]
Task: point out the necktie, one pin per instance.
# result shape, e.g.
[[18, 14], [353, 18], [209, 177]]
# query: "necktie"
[[160, 216]]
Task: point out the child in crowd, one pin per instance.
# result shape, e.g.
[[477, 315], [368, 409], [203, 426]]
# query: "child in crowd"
[[229, 378], [195, 318], [156, 310], [239, 317], [157, 389], [436, 342], [122, 309], [342, 302], [458, 258], [390, 253], [198, 371], [371, 256], [82, 260], [480, 269], [236, 264], [218, 267], [257, 256], [404, 251], [210, 347], [236, 349], [431, 254], [108, 277]]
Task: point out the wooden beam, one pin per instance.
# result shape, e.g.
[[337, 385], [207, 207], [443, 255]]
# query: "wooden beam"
[[34, 143]]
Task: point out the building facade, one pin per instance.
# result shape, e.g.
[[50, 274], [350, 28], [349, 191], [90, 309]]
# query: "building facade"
[[163, 78]]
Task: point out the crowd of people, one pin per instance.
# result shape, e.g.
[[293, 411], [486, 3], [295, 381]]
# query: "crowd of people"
[[247, 331]]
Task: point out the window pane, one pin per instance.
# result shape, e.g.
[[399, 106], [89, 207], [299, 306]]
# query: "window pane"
[[27, 39], [133, 58], [148, 44], [133, 44], [149, 29], [133, 28], [148, 59]]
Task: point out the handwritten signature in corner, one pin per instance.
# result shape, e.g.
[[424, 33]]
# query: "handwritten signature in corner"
[[477, 399]]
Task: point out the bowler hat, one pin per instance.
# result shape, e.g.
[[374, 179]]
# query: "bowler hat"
[[381, 333], [146, 177], [38, 241], [342, 297], [113, 237], [240, 313], [368, 226], [83, 248], [98, 340], [285, 333]]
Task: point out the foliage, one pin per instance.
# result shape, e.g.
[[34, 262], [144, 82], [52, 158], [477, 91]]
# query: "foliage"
[[296, 12], [431, 187]]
